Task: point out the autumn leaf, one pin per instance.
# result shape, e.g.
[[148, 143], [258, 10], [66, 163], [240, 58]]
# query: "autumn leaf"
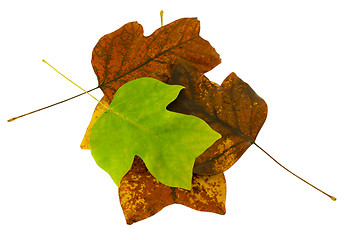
[[232, 109], [142, 196], [126, 54], [138, 123]]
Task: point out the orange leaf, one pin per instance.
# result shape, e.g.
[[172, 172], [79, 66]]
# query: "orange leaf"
[[142, 196], [125, 54], [232, 109]]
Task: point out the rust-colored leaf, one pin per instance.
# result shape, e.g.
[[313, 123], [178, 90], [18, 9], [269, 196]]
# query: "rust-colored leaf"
[[126, 54], [232, 109], [142, 196]]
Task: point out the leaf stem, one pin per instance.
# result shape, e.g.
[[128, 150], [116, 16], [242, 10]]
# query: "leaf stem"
[[75, 84], [52, 105], [40, 109], [161, 17], [331, 197], [87, 92]]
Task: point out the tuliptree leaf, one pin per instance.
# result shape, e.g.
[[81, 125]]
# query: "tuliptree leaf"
[[126, 54], [232, 109], [138, 123], [142, 196]]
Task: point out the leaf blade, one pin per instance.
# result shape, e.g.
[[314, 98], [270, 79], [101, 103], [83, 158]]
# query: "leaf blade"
[[165, 140], [232, 109], [142, 196], [126, 54]]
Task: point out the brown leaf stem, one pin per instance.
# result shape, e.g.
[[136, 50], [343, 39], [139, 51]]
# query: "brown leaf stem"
[[40, 109], [333, 198], [85, 92]]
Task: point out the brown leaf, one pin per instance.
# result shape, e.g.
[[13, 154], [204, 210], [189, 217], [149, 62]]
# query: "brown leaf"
[[126, 54], [232, 109], [142, 196]]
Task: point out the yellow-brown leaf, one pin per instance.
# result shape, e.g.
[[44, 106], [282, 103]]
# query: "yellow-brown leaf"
[[99, 110], [142, 196]]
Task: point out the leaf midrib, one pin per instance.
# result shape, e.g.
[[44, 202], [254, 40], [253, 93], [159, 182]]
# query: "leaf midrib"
[[145, 63], [131, 121]]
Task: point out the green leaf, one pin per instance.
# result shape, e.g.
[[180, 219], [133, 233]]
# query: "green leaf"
[[138, 123]]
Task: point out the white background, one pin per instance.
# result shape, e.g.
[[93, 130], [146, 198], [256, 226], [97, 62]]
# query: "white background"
[[298, 55]]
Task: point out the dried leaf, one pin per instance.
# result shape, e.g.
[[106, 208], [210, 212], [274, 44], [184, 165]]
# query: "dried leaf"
[[138, 123], [142, 195], [125, 54], [232, 109]]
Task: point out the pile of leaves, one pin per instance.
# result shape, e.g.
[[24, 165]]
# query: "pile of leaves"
[[163, 131]]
